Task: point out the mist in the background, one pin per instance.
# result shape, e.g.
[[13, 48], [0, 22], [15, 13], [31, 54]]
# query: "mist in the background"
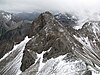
[[61, 5], [83, 9]]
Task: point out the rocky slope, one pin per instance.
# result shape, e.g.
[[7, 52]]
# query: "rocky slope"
[[13, 29], [52, 40], [53, 48]]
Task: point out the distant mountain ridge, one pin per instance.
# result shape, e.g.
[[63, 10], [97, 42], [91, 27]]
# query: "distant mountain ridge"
[[9, 21]]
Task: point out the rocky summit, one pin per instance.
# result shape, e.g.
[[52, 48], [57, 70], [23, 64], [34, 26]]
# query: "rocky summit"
[[48, 47]]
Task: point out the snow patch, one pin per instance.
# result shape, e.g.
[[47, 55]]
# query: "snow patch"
[[41, 59], [58, 66], [61, 30], [8, 17], [21, 55], [94, 72], [84, 41], [40, 56], [80, 24], [96, 29]]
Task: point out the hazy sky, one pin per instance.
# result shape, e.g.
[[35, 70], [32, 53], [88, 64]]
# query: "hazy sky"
[[61, 5]]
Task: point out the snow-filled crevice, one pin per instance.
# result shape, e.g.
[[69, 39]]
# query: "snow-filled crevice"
[[40, 56]]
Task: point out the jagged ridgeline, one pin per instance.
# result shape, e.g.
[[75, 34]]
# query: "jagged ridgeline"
[[47, 46]]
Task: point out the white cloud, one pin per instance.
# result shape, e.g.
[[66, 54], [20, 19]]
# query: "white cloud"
[[62, 5], [82, 8]]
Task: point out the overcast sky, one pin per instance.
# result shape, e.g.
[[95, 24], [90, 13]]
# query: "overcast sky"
[[60, 5]]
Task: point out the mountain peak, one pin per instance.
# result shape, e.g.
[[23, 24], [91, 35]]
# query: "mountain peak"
[[49, 35], [47, 12], [46, 16]]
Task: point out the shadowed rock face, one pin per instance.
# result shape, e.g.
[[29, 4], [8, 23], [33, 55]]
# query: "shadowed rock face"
[[30, 59], [5, 46], [50, 36], [88, 73], [14, 36]]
